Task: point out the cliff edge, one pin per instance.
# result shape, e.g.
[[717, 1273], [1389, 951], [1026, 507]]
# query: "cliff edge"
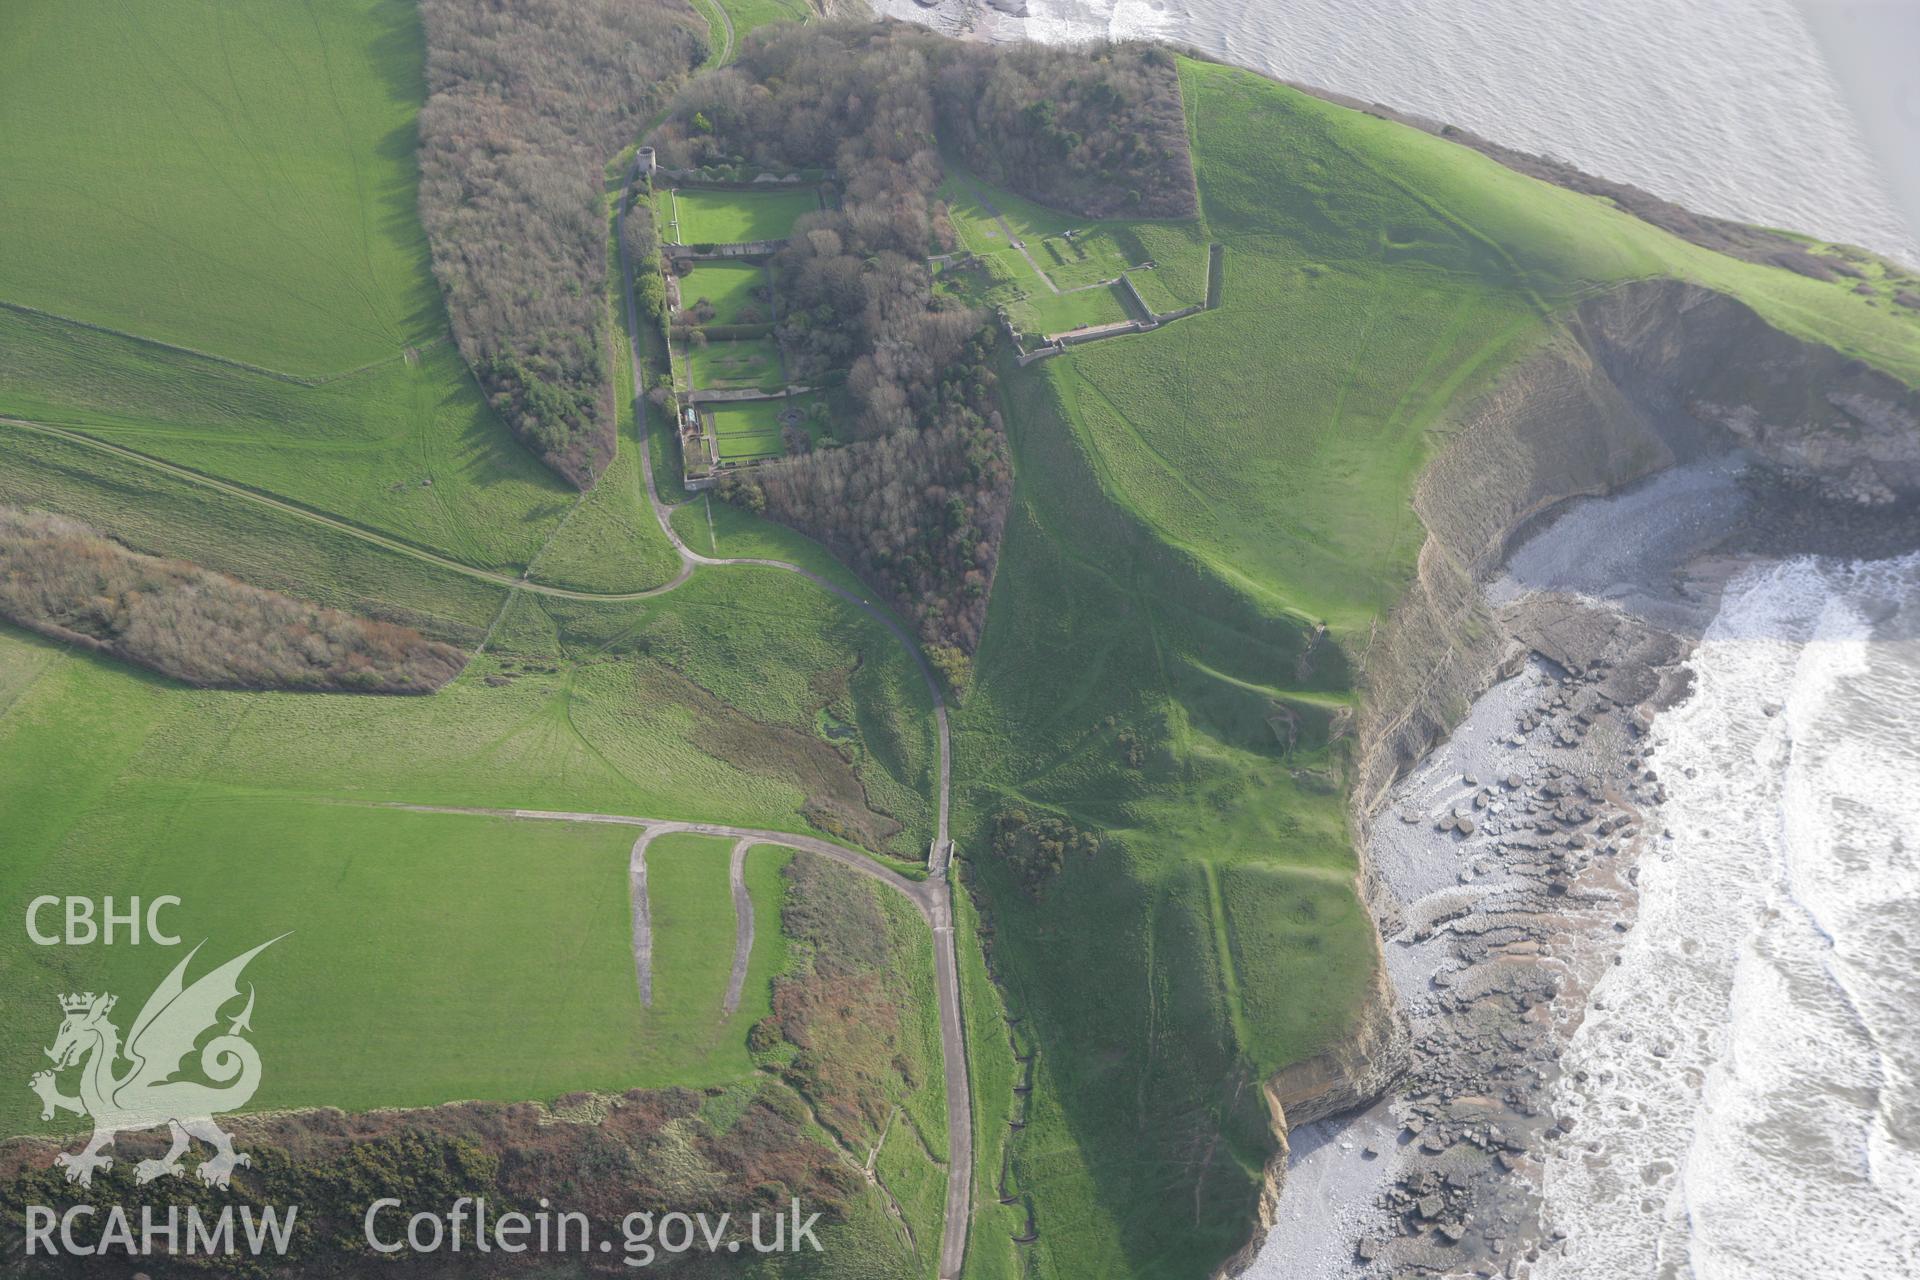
[[1642, 378]]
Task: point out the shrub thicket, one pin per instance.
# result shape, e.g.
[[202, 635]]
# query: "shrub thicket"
[[1036, 848], [60, 578]]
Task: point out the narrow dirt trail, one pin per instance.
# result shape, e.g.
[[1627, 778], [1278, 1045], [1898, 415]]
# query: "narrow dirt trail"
[[742, 926], [642, 917]]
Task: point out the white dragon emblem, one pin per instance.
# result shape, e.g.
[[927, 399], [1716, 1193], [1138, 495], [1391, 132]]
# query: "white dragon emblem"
[[147, 1095]]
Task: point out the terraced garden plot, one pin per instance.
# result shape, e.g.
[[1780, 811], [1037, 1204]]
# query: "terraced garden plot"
[[748, 432], [1059, 283], [743, 362], [739, 292], [694, 216]]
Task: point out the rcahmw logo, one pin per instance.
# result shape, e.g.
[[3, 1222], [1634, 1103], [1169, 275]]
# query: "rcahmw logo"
[[174, 1231], [146, 1095]]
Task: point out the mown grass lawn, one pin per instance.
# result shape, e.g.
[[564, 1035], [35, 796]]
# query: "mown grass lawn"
[[730, 287], [742, 362], [699, 216]]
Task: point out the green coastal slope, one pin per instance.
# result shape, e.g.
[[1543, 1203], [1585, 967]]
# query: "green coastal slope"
[[1193, 505], [222, 317]]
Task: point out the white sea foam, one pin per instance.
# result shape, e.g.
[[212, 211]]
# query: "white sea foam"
[[1751, 1107], [1724, 105]]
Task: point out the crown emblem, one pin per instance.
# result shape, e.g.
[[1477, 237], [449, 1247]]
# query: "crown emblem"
[[80, 1003]]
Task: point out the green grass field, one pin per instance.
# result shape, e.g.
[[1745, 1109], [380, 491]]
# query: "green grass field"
[[237, 182], [235, 281], [422, 948], [697, 216], [117, 780], [685, 1030], [412, 933], [730, 287]]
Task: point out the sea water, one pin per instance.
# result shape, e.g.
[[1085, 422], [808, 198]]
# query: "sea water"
[[1723, 105], [1746, 1084]]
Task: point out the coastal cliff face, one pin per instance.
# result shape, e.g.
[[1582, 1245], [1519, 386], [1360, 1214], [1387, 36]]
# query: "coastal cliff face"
[[1637, 380], [1640, 378]]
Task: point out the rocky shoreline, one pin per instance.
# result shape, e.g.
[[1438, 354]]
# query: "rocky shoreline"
[[1504, 869]]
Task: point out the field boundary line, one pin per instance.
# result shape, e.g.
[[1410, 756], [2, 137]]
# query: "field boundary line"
[[245, 366], [339, 525]]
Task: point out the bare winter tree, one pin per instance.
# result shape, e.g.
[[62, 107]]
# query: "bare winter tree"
[[60, 578], [528, 100], [918, 499]]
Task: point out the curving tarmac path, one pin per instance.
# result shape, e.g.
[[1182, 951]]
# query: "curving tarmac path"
[[932, 896]]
